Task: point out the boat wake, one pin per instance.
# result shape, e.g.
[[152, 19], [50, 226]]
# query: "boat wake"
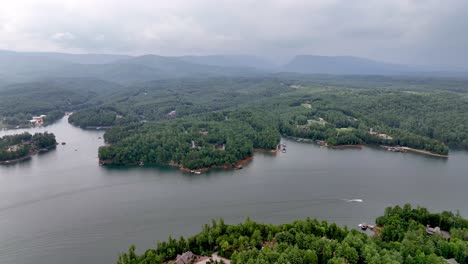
[[353, 200]]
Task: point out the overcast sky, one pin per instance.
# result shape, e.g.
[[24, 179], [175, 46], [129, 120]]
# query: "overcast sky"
[[404, 31]]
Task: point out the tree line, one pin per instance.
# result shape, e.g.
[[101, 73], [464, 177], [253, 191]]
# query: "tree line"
[[21, 145], [402, 239], [214, 140]]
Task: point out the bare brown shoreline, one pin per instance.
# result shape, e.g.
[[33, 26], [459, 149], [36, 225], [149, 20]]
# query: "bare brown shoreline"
[[420, 151]]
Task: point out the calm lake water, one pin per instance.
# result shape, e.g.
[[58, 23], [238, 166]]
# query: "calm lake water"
[[61, 207]]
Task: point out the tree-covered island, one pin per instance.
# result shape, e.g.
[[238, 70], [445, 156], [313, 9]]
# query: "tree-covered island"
[[21, 146]]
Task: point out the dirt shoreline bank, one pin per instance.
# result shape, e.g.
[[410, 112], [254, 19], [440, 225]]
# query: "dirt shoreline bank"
[[420, 151]]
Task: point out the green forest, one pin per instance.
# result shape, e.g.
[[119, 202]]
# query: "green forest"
[[215, 140], [252, 111], [423, 113], [18, 146], [399, 237], [20, 102]]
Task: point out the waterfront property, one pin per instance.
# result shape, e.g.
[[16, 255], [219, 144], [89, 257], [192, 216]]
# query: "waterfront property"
[[37, 121], [436, 230]]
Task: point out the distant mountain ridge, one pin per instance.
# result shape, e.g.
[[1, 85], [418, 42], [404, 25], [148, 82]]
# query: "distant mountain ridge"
[[26, 67], [343, 65], [240, 61], [350, 65], [124, 69], [63, 57]]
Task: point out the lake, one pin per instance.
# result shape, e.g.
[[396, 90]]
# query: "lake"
[[61, 207]]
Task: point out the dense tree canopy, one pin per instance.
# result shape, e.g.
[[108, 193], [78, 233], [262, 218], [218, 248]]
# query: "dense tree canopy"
[[401, 238], [21, 145], [144, 131], [422, 113], [215, 140]]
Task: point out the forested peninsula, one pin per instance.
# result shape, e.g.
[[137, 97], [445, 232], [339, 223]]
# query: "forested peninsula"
[[21, 146], [204, 123], [220, 140], [207, 122], [402, 235]]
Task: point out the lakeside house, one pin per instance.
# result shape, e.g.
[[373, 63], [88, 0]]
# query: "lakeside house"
[[37, 121], [186, 258], [13, 148], [436, 230], [380, 135], [172, 114], [190, 258]]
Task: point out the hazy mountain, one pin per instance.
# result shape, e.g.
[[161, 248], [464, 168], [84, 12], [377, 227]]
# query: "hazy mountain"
[[237, 61], [145, 68], [62, 57], [348, 65], [34, 66], [343, 65], [25, 67]]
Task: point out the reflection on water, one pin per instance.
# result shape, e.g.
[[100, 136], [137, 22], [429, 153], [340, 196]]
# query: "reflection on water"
[[61, 207]]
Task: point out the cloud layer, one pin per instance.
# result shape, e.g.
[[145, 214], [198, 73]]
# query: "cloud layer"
[[407, 31]]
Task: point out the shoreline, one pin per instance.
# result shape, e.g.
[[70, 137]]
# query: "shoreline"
[[238, 165], [13, 161], [321, 143], [359, 146], [425, 152], [95, 127], [28, 156]]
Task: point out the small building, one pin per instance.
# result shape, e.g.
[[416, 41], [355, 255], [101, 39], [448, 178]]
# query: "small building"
[[385, 136], [172, 114], [436, 230], [13, 148], [380, 135], [451, 261], [186, 258], [37, 120]]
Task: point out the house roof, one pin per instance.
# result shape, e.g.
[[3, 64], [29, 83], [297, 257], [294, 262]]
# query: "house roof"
[[185, 258]]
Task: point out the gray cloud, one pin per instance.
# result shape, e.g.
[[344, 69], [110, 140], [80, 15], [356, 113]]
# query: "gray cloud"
[[407, 31]]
